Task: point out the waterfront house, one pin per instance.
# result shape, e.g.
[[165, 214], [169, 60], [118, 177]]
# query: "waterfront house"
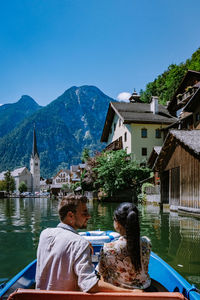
[[178, 164], [185, 102], [136, 127], [62, 177]]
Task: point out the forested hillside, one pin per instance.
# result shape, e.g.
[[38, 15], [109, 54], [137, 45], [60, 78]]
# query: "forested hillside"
[[64, 128], [166, 84]]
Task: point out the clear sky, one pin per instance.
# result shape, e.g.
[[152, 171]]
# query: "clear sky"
[[47, 46]]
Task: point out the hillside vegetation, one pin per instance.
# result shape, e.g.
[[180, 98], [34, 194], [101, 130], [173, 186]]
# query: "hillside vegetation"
[[165, 85]]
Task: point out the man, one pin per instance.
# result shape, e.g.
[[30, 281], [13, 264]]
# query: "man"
[[64, 257]]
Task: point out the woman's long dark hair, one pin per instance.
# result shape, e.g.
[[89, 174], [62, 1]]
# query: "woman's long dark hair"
[[127, 215]]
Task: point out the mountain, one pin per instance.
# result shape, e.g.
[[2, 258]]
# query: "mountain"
[[64, 128], [13, 114], [165, 85]]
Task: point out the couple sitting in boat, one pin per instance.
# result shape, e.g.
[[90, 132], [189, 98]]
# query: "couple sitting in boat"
[[64, 257]]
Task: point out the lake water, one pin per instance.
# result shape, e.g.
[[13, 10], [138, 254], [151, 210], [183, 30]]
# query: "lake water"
[[175, 238]]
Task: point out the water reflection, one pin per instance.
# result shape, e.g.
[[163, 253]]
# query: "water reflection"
[[175, 238]]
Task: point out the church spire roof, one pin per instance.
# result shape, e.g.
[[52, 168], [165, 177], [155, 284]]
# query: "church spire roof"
[[34, 150]]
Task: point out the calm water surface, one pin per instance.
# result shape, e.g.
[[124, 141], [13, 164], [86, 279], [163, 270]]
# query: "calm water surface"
[[175, 238]]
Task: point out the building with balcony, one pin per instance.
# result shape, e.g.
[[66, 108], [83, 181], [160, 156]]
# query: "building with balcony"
[[135, 126]]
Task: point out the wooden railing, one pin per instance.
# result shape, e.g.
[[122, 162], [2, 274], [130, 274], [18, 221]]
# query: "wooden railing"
[[115, 145]]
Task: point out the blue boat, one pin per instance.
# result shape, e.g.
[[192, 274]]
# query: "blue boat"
[[164, 277]]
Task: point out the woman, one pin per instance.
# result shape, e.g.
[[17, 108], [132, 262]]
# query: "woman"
[[125, 262]]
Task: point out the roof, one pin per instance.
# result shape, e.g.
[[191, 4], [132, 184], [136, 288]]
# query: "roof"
[[157, 149], [153, 156], [190, 78], [18, 171], [189, 139], [74, 168], [14, 173], [34, 150], [135, 113], [62, 171]]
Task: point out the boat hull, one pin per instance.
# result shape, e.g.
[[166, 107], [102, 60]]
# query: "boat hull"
[[166, 277]]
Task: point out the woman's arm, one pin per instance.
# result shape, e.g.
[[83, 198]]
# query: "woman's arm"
[[102, 286]]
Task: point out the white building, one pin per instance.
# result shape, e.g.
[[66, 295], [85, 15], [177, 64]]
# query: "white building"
[[32, 177]]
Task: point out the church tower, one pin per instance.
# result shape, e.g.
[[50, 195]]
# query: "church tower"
[[35, 166]]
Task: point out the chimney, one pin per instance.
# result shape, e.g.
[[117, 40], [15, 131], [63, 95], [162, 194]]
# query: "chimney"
[[154, 105]]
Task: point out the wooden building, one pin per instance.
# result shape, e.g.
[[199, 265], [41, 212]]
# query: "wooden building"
[[185, 103], [178, 164]]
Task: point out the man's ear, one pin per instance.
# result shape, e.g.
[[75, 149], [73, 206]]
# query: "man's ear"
[[69, 217], [70, 214]]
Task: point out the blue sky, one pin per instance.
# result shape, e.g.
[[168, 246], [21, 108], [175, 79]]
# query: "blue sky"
[[47, 46]]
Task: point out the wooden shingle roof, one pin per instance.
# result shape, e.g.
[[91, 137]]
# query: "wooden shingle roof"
[[188, 139]]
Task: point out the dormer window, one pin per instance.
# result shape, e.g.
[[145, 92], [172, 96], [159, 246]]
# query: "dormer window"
[[144, 133]]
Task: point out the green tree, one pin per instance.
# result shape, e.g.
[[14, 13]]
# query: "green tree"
[[10, 182], [114, 171], [22, 187], [2, 185], [165, 85], [85, 155], [75, 185]]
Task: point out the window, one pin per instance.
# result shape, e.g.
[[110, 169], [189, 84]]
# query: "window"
[[36, 164], [114, 126], [197, 117], [125, 136], [144, 151], [144, 133], [158, 133]]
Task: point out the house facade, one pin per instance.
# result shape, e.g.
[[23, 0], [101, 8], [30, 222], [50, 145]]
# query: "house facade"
[[178, 164], [136, 127], [62, 177]]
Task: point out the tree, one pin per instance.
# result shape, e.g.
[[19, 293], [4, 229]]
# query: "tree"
[[22, 187], [85, 155], [2, 185], [10, 182], [75, 185], [114, 171]]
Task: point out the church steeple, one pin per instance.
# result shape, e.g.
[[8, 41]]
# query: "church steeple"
[[34, 150], [35, 165]]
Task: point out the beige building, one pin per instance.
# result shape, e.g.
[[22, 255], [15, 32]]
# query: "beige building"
[[136, 127]]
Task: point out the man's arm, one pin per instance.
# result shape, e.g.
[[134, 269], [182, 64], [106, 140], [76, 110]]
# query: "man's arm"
[[102, 286]]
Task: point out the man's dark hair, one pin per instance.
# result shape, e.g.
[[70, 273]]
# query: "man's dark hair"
[[70, 203]]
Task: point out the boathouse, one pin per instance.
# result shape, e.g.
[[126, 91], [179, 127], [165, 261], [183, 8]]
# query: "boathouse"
[[178, 164]]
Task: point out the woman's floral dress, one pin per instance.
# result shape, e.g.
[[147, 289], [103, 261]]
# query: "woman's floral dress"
[[115, 265]]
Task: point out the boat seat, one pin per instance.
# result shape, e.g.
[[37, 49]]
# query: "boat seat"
[[24, 294]]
